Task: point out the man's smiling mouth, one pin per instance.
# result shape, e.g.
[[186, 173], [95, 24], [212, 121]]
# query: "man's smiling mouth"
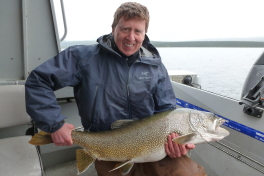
[[129, 45]]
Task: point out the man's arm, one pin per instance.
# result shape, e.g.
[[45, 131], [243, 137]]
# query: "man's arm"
[[165, 100], [164, 96], [41, 103]]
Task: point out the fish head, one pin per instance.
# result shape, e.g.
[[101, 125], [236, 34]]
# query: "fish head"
[[208, 126]]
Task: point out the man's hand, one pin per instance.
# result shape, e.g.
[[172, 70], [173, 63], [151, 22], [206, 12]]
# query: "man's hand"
[[174, 150], [62, 137]]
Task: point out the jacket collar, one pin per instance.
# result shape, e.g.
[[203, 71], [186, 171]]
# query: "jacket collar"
[[148, 53]]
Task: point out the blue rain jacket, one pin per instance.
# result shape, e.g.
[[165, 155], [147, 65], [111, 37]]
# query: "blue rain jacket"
[[105, 88]]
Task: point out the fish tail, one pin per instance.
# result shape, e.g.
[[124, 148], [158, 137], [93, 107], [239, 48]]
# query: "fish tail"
[[41, 138]]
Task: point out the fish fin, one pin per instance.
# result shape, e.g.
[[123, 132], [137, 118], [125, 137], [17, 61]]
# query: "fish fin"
[[41, 138], [124, 167], [122, 123], [84, 160], [184, 139]]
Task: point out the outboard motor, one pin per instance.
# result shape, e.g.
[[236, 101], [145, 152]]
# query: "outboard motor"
[[253, 91]]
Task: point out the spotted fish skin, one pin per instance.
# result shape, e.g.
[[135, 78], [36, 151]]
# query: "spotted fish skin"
[[143, 140], [140, 138]]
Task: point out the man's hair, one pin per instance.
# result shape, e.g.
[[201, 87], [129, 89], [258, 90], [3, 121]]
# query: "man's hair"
[[130, 10]]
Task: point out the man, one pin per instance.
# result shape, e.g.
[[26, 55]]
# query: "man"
[[122, 77]]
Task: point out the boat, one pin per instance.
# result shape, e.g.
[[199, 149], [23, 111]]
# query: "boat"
[[29, 36]]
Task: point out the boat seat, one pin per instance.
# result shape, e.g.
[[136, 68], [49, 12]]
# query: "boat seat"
[[17, 156]]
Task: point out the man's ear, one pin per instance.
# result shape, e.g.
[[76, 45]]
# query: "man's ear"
[[113, 29]]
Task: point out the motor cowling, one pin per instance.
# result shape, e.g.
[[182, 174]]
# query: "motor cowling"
[[252, 95]]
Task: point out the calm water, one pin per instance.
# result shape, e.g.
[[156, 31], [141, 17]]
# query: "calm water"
[[222, 70]]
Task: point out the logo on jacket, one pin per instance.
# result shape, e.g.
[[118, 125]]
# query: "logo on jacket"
[[145, 75]]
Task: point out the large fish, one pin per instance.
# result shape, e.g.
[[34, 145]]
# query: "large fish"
[[141, 140]]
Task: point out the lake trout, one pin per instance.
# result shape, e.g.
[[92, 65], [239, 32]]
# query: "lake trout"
[[141, 140]]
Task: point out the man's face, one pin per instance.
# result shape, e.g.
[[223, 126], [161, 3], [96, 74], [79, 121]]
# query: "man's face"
[[129, 35]]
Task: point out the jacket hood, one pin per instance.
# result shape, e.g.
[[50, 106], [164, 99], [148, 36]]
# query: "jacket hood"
[[147, 49]]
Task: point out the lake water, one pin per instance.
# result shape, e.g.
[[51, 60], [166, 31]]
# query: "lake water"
[[222, 70]]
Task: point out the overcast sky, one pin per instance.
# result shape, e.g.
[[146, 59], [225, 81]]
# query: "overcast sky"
[[170, 20]]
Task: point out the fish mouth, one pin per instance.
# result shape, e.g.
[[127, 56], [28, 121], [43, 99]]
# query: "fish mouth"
[[220, 130], [219, 123]]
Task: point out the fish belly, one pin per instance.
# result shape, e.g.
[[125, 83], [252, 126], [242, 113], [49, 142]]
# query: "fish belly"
[[148, 157], [155, 156]]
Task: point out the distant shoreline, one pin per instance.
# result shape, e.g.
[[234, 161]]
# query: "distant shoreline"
[[246, 44], [210, 44]]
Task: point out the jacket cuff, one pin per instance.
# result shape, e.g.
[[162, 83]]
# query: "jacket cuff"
[[53, 128], [56, 127]]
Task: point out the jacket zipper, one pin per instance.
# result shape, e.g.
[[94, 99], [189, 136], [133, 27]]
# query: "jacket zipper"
[[128, 95]]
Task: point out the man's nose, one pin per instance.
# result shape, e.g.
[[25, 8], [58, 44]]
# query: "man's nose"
[[131, 35]]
